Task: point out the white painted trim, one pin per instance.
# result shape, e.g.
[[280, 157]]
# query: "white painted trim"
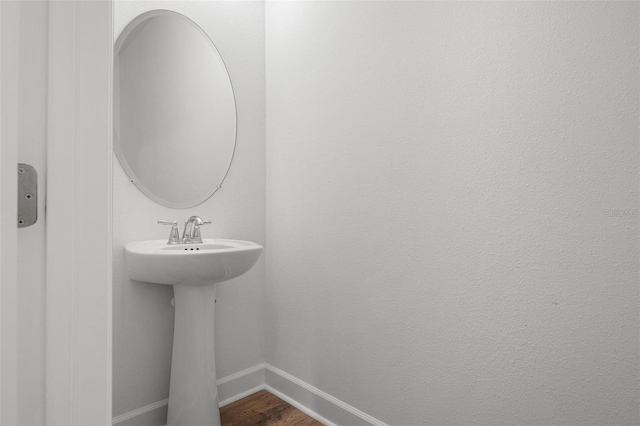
[[317, 404], [299, 406], [79, 156], [241, 395], [314, 402], [9, 32], [237, 386], [231, 388], [140, 411], [240, 374]]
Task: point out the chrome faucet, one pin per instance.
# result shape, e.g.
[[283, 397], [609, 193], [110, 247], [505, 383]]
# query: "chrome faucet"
[[191, 233], [174, 236]]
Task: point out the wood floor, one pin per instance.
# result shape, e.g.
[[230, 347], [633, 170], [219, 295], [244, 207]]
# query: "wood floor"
[[264, 409]]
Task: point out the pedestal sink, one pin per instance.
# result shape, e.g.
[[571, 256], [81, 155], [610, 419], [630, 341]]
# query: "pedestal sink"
[[193, 270]]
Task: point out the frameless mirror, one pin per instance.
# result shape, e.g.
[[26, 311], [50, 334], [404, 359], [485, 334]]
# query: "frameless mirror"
[[174, 109]]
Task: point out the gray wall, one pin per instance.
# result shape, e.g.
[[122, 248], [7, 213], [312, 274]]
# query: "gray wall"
[[452, 208], [142, 314]]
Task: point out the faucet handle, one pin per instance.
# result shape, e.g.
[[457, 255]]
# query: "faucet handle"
[[174, 236], [197, 235]]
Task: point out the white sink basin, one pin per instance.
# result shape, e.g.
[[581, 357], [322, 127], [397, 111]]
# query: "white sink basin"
[[210, 262], [193, 270]]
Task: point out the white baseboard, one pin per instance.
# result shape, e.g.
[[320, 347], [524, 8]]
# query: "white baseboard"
[[323, 407], [230, 389], [150, 415], [241, 384]]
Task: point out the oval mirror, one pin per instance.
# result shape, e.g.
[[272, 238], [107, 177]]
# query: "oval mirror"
[[174, 110]]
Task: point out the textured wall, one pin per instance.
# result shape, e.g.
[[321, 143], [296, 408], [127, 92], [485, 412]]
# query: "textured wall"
[[452, 208], [142, 314]]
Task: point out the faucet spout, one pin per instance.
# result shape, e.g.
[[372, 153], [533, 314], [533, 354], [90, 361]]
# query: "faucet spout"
[[191, 233]]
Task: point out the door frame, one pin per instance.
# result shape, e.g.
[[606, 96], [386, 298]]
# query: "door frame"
[[79, 214], [9, 33]]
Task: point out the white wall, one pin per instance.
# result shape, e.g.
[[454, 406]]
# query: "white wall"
[[143, 316], [446, 184]]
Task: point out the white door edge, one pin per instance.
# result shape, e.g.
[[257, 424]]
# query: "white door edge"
[[9, 13], [78, 300]]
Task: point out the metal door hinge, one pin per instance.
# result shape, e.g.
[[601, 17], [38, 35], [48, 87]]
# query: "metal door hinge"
[[27, 195]]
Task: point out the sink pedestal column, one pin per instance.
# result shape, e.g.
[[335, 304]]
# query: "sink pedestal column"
[[193, 393]]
